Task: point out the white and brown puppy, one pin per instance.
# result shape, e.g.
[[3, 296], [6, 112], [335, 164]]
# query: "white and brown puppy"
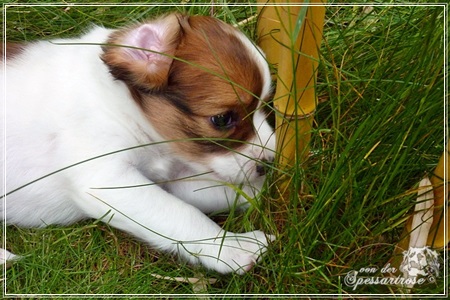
[[145, 127]]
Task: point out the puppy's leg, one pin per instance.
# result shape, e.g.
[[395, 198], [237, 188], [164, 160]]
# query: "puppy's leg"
[[168, 223], [211, 195]]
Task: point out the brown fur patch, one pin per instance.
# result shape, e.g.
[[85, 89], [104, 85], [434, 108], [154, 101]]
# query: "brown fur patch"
[[12, 50], [213, 73]]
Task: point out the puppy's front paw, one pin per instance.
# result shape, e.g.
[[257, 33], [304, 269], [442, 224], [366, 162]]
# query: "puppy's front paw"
[[235, 252]]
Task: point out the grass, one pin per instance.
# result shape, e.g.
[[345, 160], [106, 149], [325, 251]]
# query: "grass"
[[378, 130]]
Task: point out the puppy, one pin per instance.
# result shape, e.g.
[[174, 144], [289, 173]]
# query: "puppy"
[[147, 128]]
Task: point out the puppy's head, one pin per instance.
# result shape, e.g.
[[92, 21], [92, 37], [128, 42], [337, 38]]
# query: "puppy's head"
[[202, 84]]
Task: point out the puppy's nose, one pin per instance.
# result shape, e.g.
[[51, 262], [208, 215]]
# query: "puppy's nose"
[[263, 166]]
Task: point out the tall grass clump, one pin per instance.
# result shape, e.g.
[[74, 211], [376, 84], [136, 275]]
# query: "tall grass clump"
[[378, 130]]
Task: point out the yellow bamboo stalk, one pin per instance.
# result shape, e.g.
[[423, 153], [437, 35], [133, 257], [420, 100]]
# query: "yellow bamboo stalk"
[[293, 50], [438, 235]]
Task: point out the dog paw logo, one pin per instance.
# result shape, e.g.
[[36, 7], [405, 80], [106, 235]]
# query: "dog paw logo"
[[420, 262]]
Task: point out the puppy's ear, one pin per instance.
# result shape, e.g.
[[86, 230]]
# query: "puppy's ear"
[[142, 56]]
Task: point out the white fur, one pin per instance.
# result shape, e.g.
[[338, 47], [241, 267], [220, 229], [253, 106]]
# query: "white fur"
[[62, 107]]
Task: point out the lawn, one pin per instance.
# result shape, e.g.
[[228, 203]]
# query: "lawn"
[[378, 130]]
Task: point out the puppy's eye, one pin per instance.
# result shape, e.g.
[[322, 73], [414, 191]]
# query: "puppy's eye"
[[224, 121]]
